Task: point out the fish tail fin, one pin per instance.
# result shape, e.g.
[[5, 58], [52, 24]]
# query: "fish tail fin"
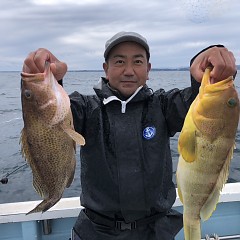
[[44, 205], [192, 229]]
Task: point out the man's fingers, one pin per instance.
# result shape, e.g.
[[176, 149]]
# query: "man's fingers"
[[225, 66], [35, 63], [42, 55], [197, 71], [29, 65], [220, 59], [58, 69]]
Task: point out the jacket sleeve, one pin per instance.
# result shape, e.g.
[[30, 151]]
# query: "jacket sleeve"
[[78, 105], [176, 104]]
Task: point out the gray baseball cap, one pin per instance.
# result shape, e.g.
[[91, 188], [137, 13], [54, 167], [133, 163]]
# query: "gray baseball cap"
[[125, 37]]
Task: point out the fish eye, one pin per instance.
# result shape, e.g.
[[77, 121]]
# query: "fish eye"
[[28, 94], [231, 102]]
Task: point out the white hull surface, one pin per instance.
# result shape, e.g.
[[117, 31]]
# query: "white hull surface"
[[56, 223]]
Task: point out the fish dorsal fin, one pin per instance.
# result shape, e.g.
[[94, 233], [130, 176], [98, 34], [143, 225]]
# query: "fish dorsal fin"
[[187, 139], [78, 138], [211, 203]]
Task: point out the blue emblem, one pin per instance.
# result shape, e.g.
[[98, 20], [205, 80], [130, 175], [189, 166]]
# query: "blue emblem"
[[149, 132]]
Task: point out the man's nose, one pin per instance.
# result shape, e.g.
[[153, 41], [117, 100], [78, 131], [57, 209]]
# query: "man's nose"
[[129, 70]]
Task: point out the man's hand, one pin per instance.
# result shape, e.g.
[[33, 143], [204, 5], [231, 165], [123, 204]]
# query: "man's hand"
[[220, 59], [35, 63]]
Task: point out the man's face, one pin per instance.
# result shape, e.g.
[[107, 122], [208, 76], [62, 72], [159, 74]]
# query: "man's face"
[[127, 67]]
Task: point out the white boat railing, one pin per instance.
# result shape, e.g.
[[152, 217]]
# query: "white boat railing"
[[69, 208], [16, 212]]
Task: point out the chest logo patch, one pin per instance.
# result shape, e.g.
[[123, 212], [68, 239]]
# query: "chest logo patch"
[[149, 132]]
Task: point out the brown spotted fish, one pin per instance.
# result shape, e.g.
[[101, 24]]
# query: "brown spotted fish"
[[48, 139]]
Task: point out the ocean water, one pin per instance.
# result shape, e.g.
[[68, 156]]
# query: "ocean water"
[[12, 164]]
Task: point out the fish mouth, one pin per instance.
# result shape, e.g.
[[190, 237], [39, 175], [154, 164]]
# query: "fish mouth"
[[32, 77], [221, 85], [36, 77], [223, 82]]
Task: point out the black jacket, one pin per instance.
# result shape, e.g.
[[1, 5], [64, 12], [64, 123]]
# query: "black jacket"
[[124, 170]]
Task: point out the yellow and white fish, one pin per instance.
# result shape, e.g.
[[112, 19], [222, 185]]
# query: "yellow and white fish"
[[206, 145]]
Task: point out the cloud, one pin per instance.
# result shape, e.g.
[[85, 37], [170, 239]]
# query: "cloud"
[[57, 2], [76, 31], [203, 11]]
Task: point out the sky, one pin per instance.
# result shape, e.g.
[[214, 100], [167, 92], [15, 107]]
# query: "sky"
[[75, 31]]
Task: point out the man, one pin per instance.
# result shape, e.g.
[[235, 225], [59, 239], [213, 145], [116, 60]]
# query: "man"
[[126, 165]]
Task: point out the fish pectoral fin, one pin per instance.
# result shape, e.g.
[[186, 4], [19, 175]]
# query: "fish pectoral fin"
[[187, 138], [186, 145], [78, 138], [210, 205]]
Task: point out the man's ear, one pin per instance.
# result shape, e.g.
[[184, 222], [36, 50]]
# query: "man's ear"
[[148, 69], [105, 67]]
